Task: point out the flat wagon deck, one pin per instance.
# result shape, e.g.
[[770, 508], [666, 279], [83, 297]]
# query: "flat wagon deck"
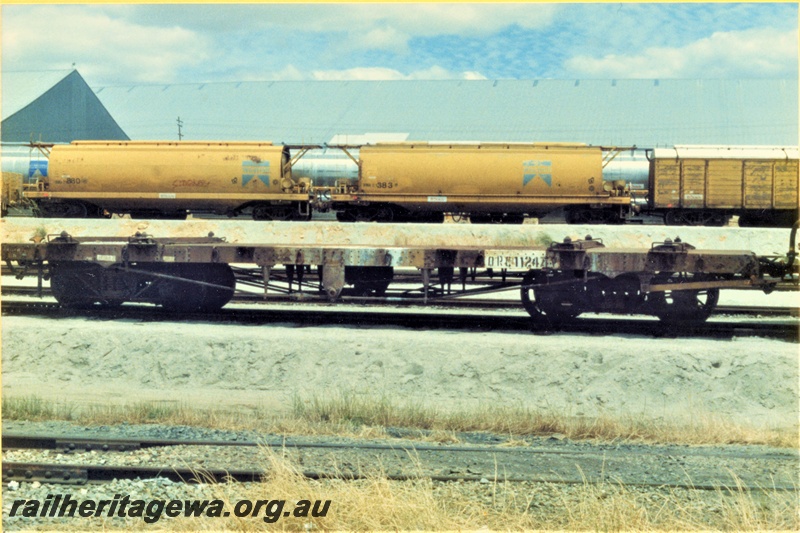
[[558, 281]]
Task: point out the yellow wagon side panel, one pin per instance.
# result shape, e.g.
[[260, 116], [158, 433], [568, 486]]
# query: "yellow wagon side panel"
[[667, 186], [758, 183], [166, 175], [693, 192], [786, 184], [480, 170], [724, 184]]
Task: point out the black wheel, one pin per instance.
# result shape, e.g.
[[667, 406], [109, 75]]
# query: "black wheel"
[[622, 295], [480, 219], [57, 209], [513, 218], [682, 306], [157, 215], [384, 213], [364, 215], [692, 217], [187, 295], [357, 214], [433, 218], [369, 281], [592, 216], [83, 285], [272, 212], [373, 213], [544, 297], [344, 216], [497, 218], [767, 219]]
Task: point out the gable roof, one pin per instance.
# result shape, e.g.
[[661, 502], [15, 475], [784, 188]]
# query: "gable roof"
[[53, 106], [21, 88]]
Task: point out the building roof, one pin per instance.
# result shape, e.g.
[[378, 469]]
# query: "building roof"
[[645, 113], [53, 106], [24, 87]]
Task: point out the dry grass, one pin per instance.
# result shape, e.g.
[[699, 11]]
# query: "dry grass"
[[376, 503], [367, 416], [348, 407], [617, 508], [36, 409]]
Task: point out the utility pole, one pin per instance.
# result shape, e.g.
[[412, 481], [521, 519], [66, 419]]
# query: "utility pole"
[[180, 124]]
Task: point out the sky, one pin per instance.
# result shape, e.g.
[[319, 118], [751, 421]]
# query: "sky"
[[163, 44]]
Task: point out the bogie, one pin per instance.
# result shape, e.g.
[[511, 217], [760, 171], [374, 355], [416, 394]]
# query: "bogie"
[[177, 287], [562, 296]]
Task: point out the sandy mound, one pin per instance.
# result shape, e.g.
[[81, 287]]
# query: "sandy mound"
[[750, 381]]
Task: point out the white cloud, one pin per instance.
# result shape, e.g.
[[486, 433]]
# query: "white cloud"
[[47, 37], [756, 52], [381, 39], [369, 73], [419, 19], [471, 75], [378, 73], [391, 26]]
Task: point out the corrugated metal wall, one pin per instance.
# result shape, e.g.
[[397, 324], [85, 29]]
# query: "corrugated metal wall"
[[646, 113]]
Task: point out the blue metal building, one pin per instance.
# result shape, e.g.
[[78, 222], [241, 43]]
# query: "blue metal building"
[[646, 113]]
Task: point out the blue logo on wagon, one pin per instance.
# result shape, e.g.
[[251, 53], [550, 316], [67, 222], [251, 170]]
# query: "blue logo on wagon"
[[37, 168], [251, 169], [537, 169]]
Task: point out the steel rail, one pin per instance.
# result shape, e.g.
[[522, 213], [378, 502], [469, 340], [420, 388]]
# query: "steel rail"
[[487, 304], [417, 320], [81, 474], [69, 444]]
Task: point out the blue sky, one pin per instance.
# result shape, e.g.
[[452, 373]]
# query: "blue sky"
[[135, 44]]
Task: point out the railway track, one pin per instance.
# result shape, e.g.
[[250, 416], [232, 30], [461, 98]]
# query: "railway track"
[[482, 304], [596, 325], [633, 465]]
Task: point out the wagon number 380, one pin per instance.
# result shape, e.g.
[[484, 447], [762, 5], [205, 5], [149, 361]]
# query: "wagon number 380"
[[72, 181]]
